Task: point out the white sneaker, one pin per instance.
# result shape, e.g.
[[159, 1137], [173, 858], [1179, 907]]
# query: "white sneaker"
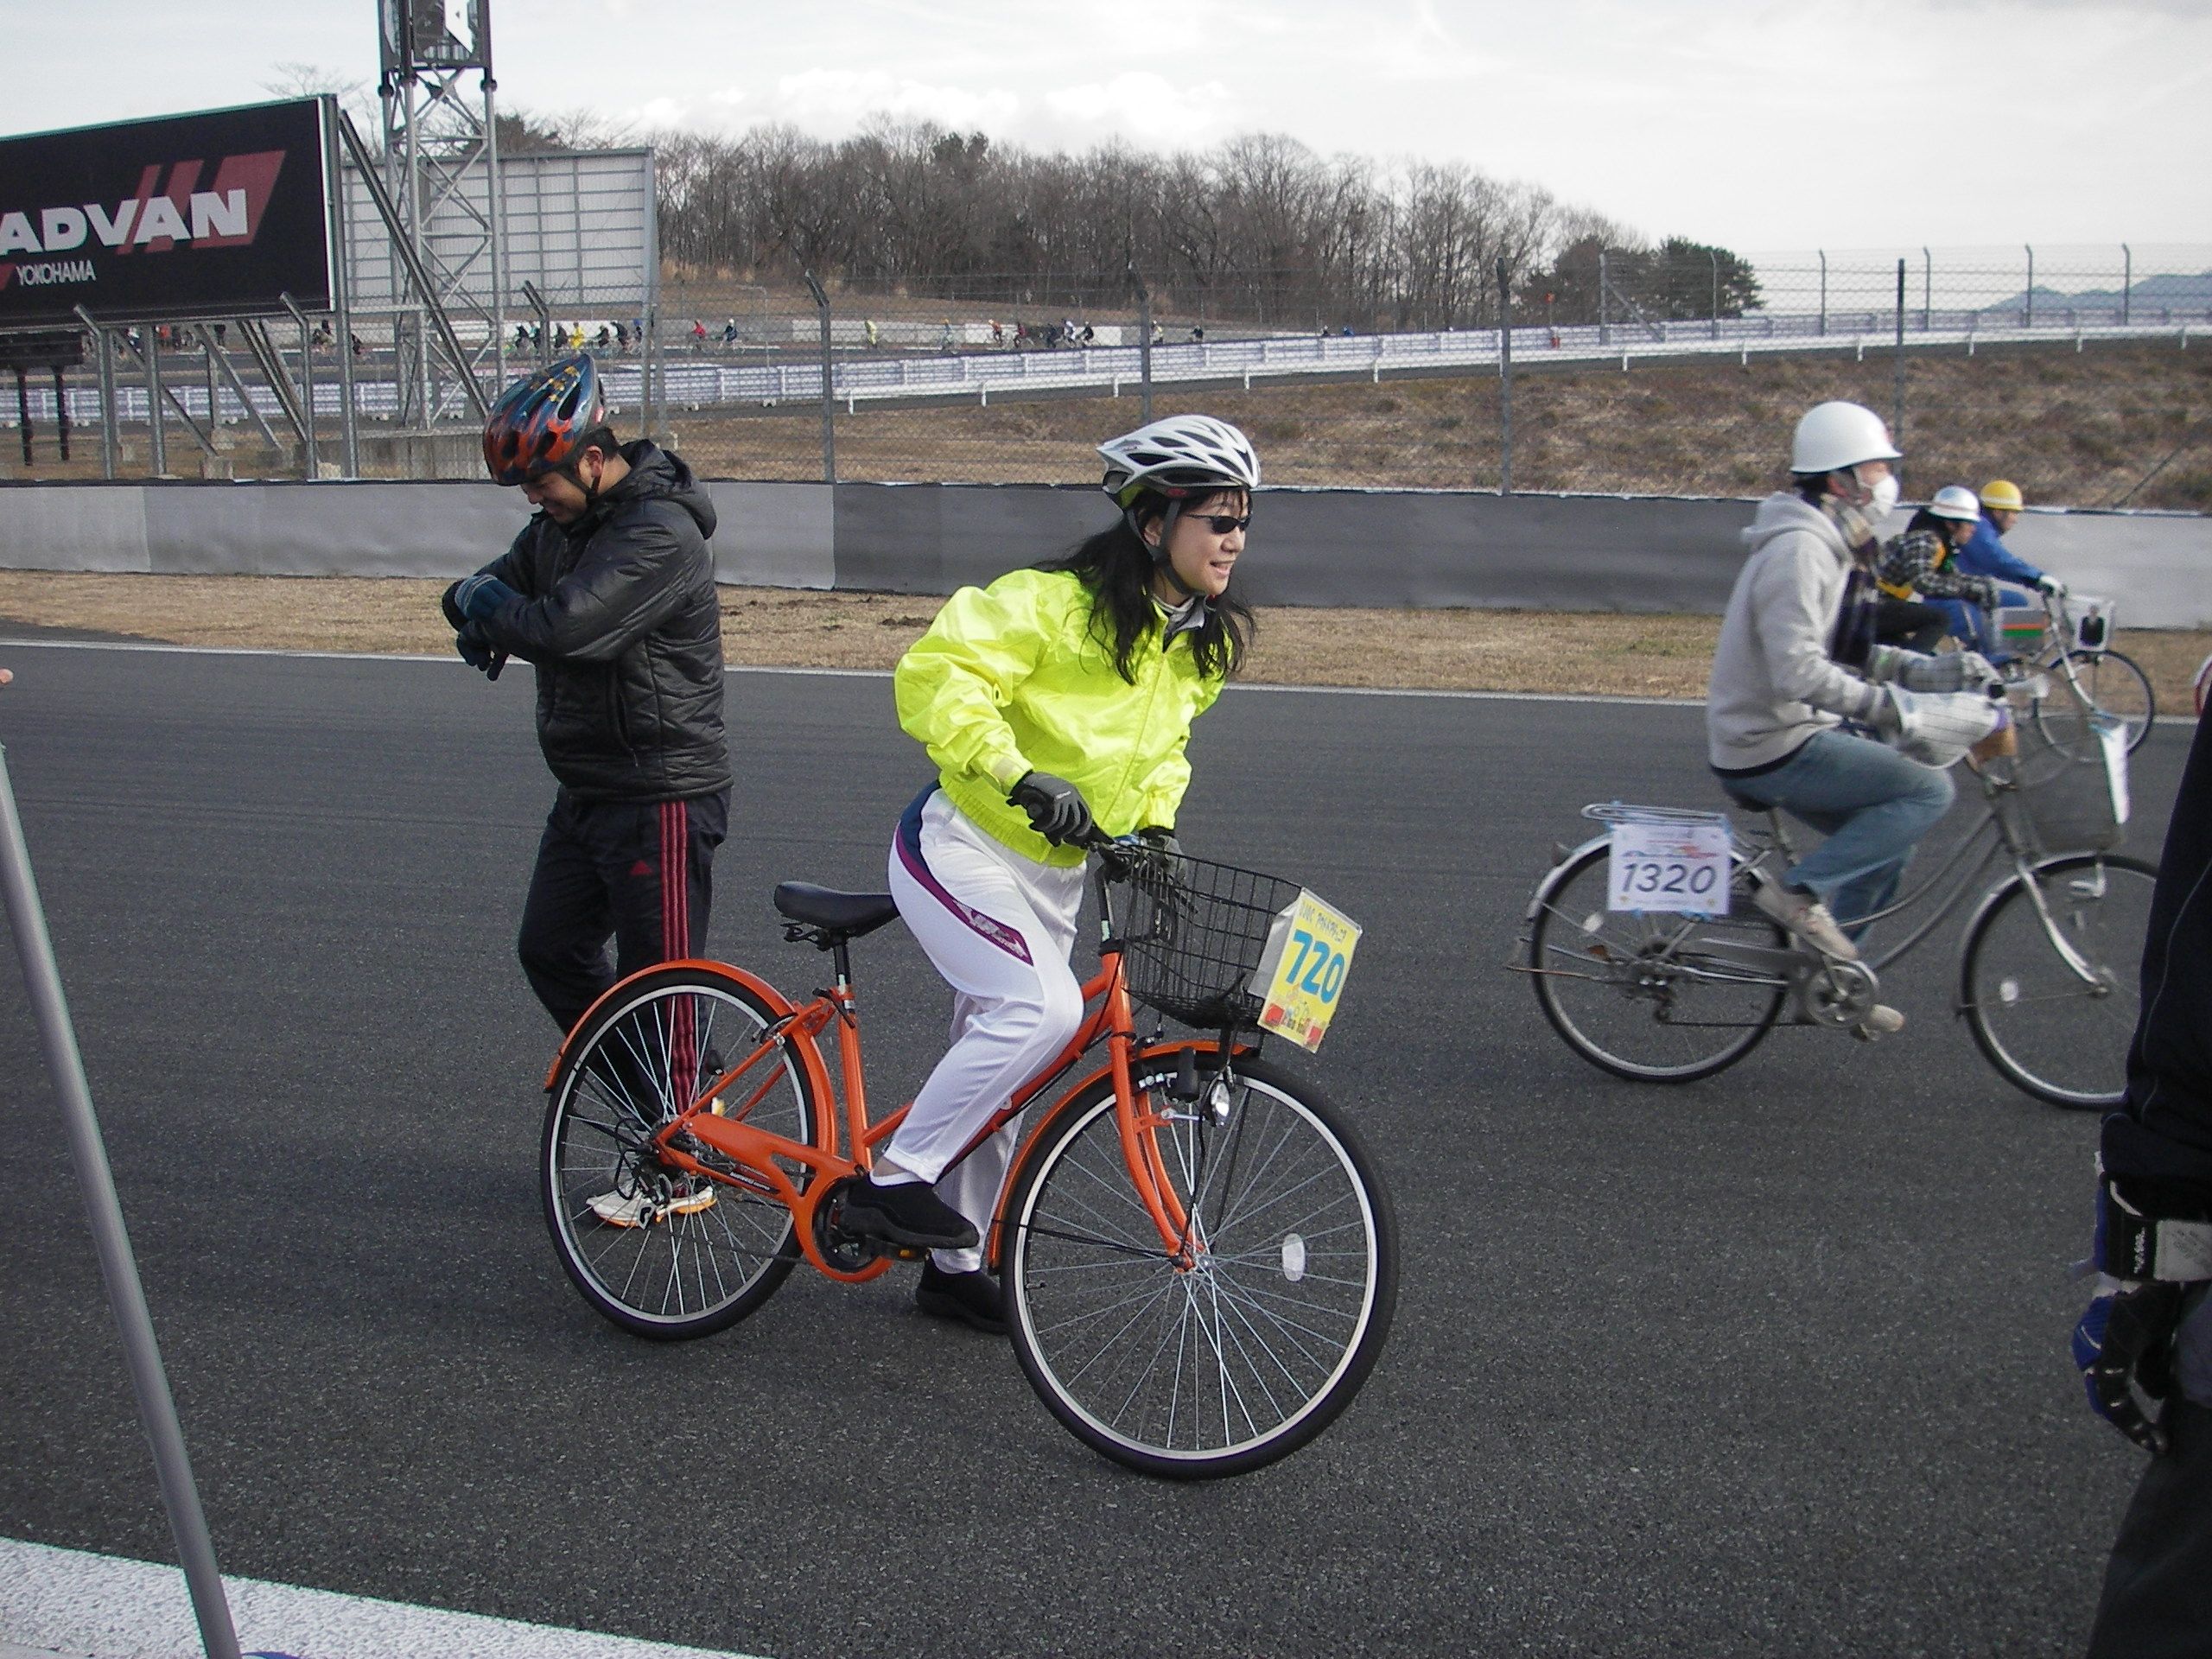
[[1806, 916], [636, 1210], [1881, 1021]]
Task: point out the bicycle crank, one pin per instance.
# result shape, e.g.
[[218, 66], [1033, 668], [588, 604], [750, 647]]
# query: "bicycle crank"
[[1836, 994], [849, 1252]]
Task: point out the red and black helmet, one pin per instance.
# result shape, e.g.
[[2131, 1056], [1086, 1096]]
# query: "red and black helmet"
[[540, 423]]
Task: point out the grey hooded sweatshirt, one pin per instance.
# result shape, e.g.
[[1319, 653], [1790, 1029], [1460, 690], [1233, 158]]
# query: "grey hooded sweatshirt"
[[1774, 684]]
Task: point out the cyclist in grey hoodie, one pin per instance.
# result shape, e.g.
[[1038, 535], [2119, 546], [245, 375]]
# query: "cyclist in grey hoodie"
[[1797, 660]]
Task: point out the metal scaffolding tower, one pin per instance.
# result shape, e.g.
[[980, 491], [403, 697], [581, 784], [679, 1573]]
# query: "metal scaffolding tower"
[[441, 167]]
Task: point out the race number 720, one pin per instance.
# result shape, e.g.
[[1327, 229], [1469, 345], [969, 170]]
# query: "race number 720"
[[1683, 867]]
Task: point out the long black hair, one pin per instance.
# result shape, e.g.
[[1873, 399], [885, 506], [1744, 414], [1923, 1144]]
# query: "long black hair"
[[1115, 568], [1945, 528]]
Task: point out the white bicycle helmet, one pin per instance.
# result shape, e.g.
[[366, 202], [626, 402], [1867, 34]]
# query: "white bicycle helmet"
[[1952, 502], [1937, 728], [1835, 437], [1181, 456]]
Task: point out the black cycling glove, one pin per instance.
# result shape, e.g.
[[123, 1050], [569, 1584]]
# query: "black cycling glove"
[[1056, 807]]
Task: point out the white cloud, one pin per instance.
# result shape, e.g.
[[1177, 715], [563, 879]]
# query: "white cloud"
[[1140, 105], [658, 112], [838, 101]]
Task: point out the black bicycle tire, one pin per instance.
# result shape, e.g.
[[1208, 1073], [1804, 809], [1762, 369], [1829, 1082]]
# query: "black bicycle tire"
[[562, 1093], [1587, 1047], [1992, 1047], [1068, 1119]]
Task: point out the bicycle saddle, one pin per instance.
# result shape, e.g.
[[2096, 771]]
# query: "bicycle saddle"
[[851, 914]]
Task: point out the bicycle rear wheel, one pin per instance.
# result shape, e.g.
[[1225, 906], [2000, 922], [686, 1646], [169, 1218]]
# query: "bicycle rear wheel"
[[2032, 1016], [674, 1271], [1255, 1347], [2114, 686], [1653, 996]]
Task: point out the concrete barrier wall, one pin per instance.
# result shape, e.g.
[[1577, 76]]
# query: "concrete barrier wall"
[[1383, 548]]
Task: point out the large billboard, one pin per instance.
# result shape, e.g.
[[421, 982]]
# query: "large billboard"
[[216, 214], [580, 229]]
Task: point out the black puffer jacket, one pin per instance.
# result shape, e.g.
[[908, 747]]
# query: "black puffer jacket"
[[618, 613]]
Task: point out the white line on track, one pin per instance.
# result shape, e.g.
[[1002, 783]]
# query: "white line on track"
[[68, 1602], [842, 673]]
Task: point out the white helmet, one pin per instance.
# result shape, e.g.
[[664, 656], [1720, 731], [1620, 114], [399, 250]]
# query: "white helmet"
[[1937, 728], [1952, 502], [1835, 437], [1182, 455]]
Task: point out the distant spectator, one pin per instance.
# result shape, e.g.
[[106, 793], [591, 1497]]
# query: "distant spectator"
[[1158, 337], [1199, 334], [875, 335], [575, 337], [729, 334], [603, 339], [998, 332], [522, 336], [1088, 334], [946, 342], [698, 335], [359, 350]]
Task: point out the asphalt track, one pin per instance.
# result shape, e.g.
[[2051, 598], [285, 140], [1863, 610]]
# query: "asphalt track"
[[1770, 1365]]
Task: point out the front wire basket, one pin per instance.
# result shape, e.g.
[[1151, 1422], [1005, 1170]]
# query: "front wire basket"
[[1193, 933], [2067, 795]]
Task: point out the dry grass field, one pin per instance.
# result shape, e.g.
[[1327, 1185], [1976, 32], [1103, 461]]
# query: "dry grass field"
[[2080, 429], [1600, 653]]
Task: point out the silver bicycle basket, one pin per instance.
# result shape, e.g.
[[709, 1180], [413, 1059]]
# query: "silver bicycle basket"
[[2069, 776]]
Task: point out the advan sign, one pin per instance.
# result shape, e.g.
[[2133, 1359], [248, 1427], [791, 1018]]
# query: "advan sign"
[[216, 214]]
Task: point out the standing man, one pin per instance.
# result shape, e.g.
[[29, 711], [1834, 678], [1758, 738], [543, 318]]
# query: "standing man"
[[609, 594], [2149, 1326]]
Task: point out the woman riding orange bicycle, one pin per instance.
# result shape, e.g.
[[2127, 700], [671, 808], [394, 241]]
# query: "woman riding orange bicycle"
[[1055, 703]]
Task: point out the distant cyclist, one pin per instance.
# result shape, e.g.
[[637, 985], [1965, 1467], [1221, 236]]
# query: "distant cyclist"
[[1797, 660], [1054, 702], [1921, 566], [1983, 554]]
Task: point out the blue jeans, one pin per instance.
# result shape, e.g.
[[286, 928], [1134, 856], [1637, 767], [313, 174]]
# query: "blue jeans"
[[1872, 803], [1970, 623]]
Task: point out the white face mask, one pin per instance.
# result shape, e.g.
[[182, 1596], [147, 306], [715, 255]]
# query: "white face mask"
[[1882, 499]]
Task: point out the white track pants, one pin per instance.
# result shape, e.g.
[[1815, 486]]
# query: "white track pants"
[[1000, 927]]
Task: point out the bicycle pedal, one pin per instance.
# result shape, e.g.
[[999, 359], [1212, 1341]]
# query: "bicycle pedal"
[[907, 1253]]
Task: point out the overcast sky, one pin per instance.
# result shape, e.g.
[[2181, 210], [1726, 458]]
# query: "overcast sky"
[[1760, 124]]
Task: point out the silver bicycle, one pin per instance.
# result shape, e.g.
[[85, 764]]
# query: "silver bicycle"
[[2047, 961]]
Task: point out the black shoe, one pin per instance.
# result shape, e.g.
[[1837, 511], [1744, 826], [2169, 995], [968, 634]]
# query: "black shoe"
[[909, 1213], [974, 1298]]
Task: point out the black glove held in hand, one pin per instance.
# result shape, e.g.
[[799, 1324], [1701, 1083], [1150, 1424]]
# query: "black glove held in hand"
[[1056, 807]]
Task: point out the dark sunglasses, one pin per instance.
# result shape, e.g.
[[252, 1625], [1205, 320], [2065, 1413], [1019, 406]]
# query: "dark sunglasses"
[[1221, 523]]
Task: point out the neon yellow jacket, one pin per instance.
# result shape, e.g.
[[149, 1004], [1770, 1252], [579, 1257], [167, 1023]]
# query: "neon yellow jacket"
[[1010, 678]]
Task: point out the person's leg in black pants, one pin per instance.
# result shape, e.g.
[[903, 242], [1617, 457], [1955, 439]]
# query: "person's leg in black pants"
[[2158, 1594], [1908, 623], [642, 871]]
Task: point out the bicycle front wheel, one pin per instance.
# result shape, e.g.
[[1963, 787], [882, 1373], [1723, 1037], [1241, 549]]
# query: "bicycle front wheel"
[[1653, 996], [1239, 1354], [2047, 1030], [663, 1255], [2114, 686]]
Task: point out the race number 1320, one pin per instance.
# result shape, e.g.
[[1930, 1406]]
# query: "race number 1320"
[[1672, 867]]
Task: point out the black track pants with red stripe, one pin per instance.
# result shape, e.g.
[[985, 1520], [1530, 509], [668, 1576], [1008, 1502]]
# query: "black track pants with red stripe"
[[642, 871]]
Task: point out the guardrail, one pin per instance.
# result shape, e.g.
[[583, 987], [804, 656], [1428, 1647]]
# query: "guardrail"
[[980, 376]]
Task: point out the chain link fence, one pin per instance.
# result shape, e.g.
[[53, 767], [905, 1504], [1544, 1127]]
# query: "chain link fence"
[[2086, 374]]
